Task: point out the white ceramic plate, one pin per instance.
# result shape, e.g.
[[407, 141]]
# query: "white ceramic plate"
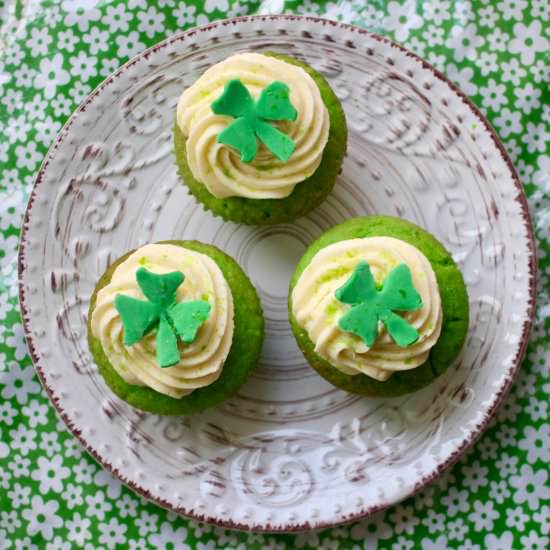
[[290, 451]]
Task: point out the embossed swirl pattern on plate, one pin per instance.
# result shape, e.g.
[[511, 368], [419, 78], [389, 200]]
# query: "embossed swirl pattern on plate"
[[289, 450]]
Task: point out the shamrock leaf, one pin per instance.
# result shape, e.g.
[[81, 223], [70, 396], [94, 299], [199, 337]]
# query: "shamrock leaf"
[[161, 312], [371, 304], [273, 104]]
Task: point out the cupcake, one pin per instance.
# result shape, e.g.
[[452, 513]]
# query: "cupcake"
[[175, 327], [260, 138], [378, 306]]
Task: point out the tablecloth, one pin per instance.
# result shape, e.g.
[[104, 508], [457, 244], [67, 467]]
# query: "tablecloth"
[[52, 494]]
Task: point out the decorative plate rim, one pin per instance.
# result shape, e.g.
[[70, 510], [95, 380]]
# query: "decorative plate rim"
[[498, 395]]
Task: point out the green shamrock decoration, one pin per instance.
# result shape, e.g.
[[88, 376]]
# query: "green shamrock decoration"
[[273, 104], [161, 312], [372, 304]]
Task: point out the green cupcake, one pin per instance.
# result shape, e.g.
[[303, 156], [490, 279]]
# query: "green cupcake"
[[378, 306], [260, 138], [175, 327]]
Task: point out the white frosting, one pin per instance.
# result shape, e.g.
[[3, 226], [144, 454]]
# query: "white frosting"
[[218, 166], [317, 310], [202, 361]]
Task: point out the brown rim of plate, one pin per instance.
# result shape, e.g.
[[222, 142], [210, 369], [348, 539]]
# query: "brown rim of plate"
[[500, 395]]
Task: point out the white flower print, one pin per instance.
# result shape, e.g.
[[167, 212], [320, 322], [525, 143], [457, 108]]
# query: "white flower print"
[[487, 63], [437, 11], [166, 3], [536, 139], [169, 536], [133, 4], [537, 410], [80, 12], [508, 122], [462, 77], [97, 39], [61, 105], [455, 501], [79, 91], [438, 61], [83, 66], [49, 443], [212, 5], [46, 130], [9, 521], [139, 544], [527, 41], [35, 108], [108, 66], [503, 542], [402, 18], [439, 544], [370, 530], [42, 518], [147, 523], [84, 471], [343, 12], [50, 474], [73, 495], [13, 54], [404, 519], [498, 40], [127, 506], [483, 515], [97, 505], [512, 72], [4, 479], [36, 413], [116, 18], [112, 533], [19, 495], [58, 544], [494, 95], [39, 41], [434, 522], [236, 10], [540, 9], [532, 541], [66, 40], [433, 35], [506, 435], [13, 100], [17, 129], [457, 529], [536, 443], [464, 41], [512, 9], [19, 465], [24, 76], [530, 486], [19, 382], [78, 529], [499, 491], [104, 478], [487, 16], [10, 180], [487, 449], [527, 98], [25, 544], [509, 409], [402, 544], [542, 517], [151, 22], [463, 11], [51, 75], [11, 212], [72, 448], [475, 476], [129, 45]]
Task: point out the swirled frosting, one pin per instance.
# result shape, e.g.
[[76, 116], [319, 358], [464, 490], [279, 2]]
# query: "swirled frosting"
[[317, 310], [202, 361], [219, 167]]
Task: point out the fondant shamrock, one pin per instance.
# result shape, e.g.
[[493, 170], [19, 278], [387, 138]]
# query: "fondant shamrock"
[[273, 104], [171, 320], [372, 304]]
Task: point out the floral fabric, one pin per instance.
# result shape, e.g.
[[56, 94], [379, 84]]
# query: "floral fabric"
[[52, 494]]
